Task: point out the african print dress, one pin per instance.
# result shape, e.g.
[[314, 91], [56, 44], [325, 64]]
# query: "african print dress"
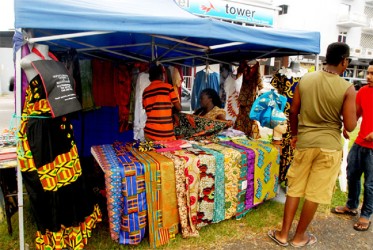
[[52, 174], [251, 84], [286, 87]]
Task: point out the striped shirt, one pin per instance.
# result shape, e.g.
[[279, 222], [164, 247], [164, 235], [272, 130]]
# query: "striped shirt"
[[157, 101]]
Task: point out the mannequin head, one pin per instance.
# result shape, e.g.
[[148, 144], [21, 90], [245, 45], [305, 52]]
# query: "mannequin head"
[[280, 129]]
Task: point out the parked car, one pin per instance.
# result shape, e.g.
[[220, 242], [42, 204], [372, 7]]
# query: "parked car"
[[186, 98]]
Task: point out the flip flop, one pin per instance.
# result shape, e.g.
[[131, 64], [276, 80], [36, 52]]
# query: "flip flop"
[[362, 226], [336, 210], [272, 235], [311, 241]]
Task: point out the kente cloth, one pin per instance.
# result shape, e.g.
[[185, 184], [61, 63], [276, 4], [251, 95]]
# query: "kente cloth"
[[219, 195], [250, 153], [188, 126], [163, 219], [107, 159], [86, 79], [51, 171], [133, 218], [245, 184], [187, 230], [207, 168], [204, 79], [251, 84], [103, 89], [286, 87], [266, 171], [232, 161]]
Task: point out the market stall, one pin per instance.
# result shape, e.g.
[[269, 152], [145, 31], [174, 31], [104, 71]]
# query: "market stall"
[[130, 31]]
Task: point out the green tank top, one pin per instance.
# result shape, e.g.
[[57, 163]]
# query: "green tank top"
[[320, 119]]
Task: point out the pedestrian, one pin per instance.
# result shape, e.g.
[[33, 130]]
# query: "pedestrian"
[[360, 159], [159, 98], [322, 103]]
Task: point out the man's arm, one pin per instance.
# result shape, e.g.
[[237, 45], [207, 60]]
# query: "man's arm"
[[349, 110], [293, 116]]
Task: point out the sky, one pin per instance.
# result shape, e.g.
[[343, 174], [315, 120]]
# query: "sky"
[[6, 15]]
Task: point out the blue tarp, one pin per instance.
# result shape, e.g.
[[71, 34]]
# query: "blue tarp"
[[137, 26]]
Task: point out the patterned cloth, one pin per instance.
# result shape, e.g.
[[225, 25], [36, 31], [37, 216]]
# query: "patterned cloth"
[[286, 87], [133, 218], [107, 159], [266, 171], [219, 196], [232, 161], [50, 166], [188, 126], [160, 195]]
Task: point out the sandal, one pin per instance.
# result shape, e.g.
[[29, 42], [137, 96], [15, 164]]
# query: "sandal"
[[362, 226], [272, 235], [344, 211], [311, 240]]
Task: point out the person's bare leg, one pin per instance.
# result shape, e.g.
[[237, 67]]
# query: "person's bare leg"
[[308, 212], [291, 206]]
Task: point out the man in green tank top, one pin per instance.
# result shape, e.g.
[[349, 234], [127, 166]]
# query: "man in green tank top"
[[323, 102]]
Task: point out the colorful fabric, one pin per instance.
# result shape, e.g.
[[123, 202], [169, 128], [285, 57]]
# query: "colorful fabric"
[[232, 161], [51, 172], [188, 126], [251, 84], [215, 112], [285, 86], [187, 230], [157, 101], [266, 172], [133, 218], [160, 195], [246, 181], [103, 88], [107, 159], [219, 195]]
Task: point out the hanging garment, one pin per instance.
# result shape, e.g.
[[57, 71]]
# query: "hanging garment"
[[203, 80], [86, 79], [140, 113], [251, 84], [50, 166], [122, 86], [103, 89], [232, 89], [285, 85]]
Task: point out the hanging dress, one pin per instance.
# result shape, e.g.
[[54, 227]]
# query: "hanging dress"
[[285, 85], [52, 174], [251, 84]]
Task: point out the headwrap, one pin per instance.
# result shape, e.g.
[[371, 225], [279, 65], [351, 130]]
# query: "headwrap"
[[268, 109]]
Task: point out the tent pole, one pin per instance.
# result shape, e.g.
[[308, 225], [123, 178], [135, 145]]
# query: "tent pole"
[[317, 59], [18, 105], [65, 36], [182, 41], [153, 48]]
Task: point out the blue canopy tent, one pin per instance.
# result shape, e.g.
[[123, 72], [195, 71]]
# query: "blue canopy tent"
[[147, 30]]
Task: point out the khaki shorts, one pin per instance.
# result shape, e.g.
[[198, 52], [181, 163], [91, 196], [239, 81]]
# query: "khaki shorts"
[[313, 174]]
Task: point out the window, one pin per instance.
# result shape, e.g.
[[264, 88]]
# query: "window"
[[284, 9], [342, 37]]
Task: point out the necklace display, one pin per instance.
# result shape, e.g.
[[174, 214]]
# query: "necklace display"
[[330, 72]]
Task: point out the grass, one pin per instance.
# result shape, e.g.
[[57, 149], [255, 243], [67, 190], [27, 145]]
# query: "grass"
[[257, 221]]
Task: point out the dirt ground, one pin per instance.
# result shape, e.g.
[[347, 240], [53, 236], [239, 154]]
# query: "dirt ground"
[[332, 232]]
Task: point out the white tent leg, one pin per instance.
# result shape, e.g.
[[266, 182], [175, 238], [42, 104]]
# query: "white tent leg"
[[19, 175]]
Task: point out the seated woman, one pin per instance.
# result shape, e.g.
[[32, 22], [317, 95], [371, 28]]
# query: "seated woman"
[[210, 105]]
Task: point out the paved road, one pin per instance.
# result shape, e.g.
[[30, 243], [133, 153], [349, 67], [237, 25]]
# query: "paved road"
[[6, 111]]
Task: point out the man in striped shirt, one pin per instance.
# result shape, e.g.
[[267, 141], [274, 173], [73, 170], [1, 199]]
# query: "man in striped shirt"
[[158, 99]]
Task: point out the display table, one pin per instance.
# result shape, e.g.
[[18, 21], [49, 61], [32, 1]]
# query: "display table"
[[184, 189], [8, 182]]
